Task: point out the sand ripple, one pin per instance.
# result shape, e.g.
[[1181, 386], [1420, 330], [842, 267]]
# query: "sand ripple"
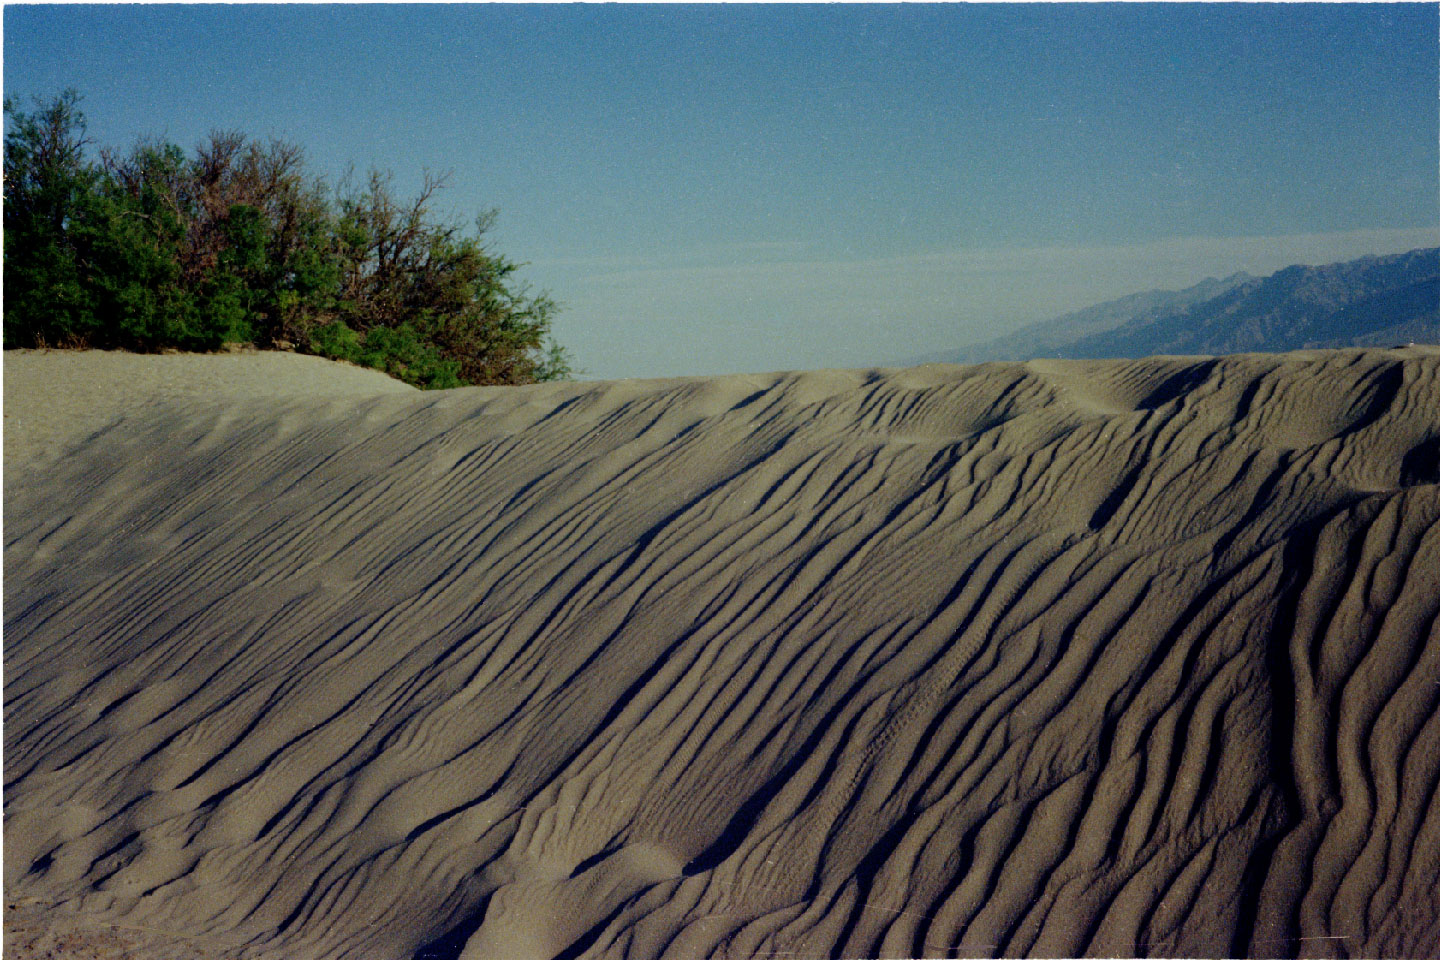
[[1109, 658]]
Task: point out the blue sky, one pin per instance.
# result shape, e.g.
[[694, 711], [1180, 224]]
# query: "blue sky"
[[713, 189]]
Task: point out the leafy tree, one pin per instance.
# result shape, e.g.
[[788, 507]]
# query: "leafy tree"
[[49, 194], [157, 249]]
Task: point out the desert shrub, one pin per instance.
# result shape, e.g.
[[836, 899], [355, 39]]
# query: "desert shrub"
[[49, 214], [236, 244], [336, 341], [399, 351]]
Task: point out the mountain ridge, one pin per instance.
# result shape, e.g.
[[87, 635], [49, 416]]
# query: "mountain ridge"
[[1376, 300]]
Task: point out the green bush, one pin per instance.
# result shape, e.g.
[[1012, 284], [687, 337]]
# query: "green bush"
[[52, 218], [235, 244], [336, 341], [398, 351]]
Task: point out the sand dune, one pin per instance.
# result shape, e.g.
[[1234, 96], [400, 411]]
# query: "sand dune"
[[1106, 658]]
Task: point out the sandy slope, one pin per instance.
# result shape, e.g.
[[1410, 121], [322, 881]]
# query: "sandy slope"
[[54, 398], [1048, 659]]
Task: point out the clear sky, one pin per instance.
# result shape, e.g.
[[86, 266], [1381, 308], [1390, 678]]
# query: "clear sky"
[[708, 189]]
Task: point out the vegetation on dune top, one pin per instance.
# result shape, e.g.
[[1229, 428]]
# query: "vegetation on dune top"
[[235, 243]]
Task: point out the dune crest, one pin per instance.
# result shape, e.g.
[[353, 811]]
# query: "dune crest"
[[1055, 659]]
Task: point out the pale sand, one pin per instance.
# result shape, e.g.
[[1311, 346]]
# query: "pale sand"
[[1107, 658], [54, 398]]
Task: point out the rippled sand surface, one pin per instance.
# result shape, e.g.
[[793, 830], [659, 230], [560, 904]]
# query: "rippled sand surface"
[[1051, 659]]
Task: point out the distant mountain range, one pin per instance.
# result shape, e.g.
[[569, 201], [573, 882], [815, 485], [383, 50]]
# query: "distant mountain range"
[[1373, 301]]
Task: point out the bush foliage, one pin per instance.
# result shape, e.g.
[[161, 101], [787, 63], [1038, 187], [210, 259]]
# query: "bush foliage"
[[235, 243]]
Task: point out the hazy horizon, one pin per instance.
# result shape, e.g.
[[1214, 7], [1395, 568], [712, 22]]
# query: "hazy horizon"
[[715, 189]]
